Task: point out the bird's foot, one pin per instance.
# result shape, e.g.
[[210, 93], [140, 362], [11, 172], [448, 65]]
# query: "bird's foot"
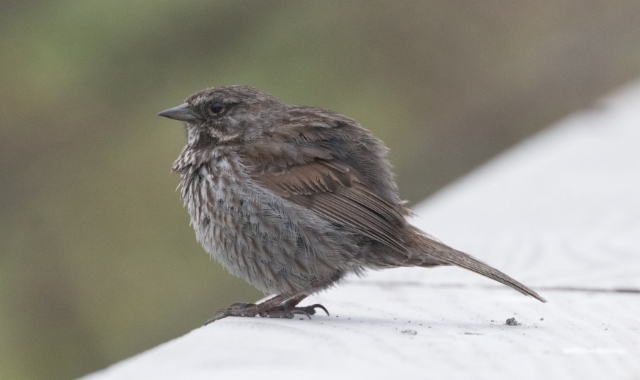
[[271, 308], [237, 309], [286, 311]]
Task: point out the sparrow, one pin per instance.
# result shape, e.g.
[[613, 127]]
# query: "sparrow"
[[293, 199]]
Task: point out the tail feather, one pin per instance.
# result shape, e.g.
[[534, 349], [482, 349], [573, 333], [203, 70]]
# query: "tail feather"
[[450, 256]]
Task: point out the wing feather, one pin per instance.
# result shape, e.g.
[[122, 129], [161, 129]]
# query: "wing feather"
[[338, 193]]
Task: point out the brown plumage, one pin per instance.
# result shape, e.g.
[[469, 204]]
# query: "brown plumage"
[[294, 198]]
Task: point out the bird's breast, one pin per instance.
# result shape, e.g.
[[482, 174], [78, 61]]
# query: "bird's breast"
[[257, 235]]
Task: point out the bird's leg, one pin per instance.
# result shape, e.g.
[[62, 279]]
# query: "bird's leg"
[[279, 306]]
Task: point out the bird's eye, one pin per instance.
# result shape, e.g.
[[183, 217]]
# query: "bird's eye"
[[217, 107]]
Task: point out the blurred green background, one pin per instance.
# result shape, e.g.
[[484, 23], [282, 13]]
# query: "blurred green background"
[[97, 259]]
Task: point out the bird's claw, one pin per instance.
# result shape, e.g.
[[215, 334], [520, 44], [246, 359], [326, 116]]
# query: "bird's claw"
[[314, 306]]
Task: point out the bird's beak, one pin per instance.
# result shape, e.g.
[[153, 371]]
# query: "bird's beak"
[[181, 112]]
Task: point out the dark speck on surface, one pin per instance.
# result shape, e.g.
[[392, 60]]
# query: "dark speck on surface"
[[410, 332], [511, 322]]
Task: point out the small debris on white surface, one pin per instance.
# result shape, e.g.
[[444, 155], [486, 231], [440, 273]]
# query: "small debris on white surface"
[[512, 322]]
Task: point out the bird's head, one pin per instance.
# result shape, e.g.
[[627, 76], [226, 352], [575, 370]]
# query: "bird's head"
[[226, 114]]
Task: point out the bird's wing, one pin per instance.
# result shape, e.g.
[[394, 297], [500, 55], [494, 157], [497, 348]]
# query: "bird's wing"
[[338, 193]]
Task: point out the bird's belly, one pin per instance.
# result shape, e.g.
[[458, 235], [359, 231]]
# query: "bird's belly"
[[243, 229], [259, 237]]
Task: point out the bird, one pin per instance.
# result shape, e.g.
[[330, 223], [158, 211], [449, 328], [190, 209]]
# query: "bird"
[[293, 199]]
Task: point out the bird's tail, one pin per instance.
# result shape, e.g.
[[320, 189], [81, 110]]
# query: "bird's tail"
[[449, 256]]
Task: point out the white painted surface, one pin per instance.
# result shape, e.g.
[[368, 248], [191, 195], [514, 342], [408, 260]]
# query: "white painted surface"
[[560, 212]]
